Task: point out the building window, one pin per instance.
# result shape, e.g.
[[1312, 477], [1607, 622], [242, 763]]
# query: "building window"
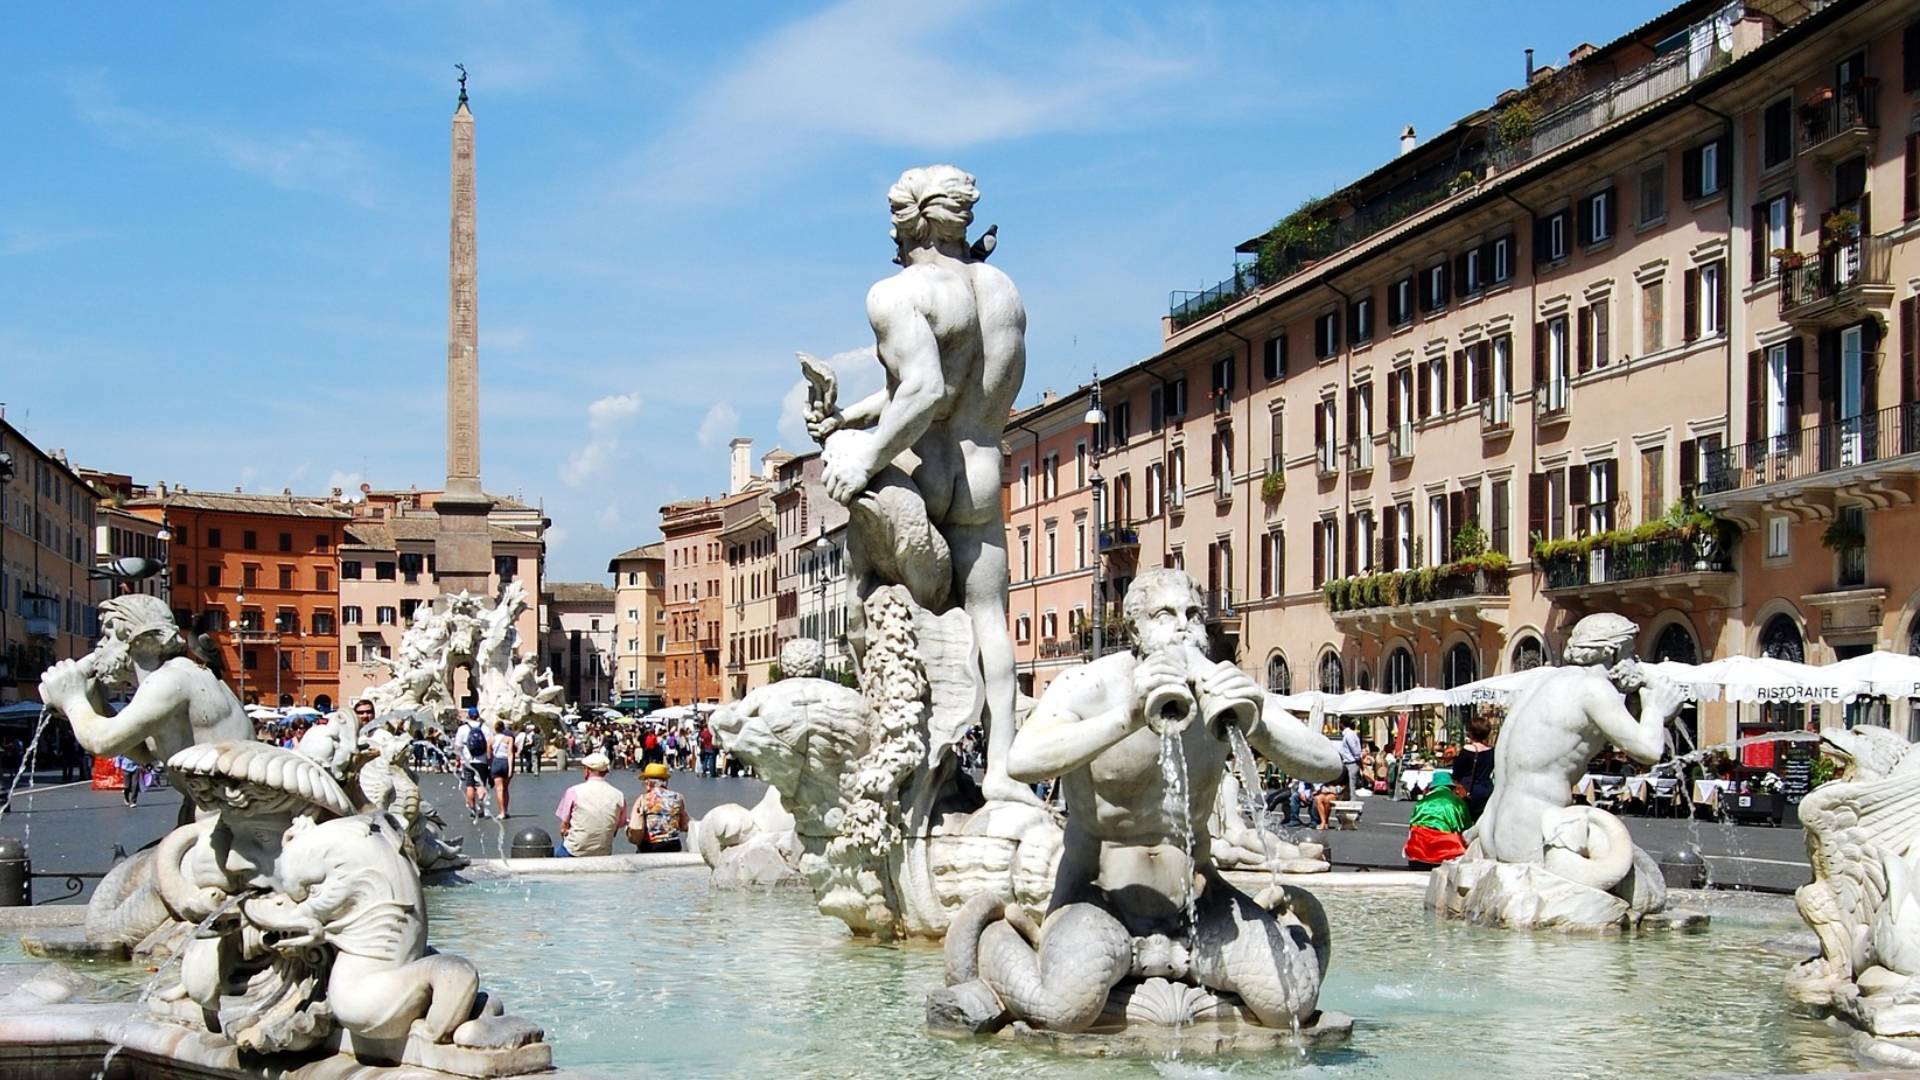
[[1705, 171], [286, 577], [1772, 233], [349, 569], [1280, 680], [286, 541], [1023, 628], [1550, 237], [1653, 483], [350, 614], [1434, 288], [1326, 335], [323, 623], [1176, 398], [1079, 465], [1776, 134], [1652, 335], [1362, 318], [384, 571], [1332, 677], [1779, 530], [1653, 193], [1275, 366], [1502, 260], [248, 540], [1400, 302], [1501, 494], [386, 615]]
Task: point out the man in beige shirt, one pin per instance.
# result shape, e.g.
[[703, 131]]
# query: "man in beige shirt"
[[590, 811]]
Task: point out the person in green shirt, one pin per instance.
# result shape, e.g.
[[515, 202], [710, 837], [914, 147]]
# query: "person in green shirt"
[[1434, 830]]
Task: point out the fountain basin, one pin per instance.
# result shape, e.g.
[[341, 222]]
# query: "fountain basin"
[[657, 974]]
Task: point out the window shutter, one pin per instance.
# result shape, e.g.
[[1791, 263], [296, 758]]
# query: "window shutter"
[[1353, 547], [1720, 297], [1370, 320], [1353, 322], [1319, 553], [1459, 377], [1757, 250], [1539, 355], [1389, 545], [1756, 394], [1393, 401], [1443, 285], [1796, 381], [1609, 211], [1689, 467], [1584, 228], [1270, 361], [1486, 264], [1536, 506], [1482, 375], [1829, 376], [1723, 162], [1425, 393], [1156, 413], [1353, 413], [1439, 366], [1909, 329], [1910, 57], [1584, 319], [1456, 518], [1460, 273], [1266, 565], [1690, 174], [1690, 304], [1541, 250], [1576, 493], [1910, 203], [1320, 425], [1869, 367]]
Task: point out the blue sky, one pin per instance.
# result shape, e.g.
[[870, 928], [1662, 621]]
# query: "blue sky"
[[223, 228]]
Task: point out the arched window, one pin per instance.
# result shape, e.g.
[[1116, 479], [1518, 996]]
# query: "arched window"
[[1462, 666], [323, 703], [1279, 679], [1363, 679], [1332, 679], [1676, 643], [1529, 653], [1399, 674], [1781, 640]]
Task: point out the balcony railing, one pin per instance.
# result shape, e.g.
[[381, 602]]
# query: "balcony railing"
[[1326, 460], [1219, 604], [1848, 111], [1496, 413], [1814, 449], [1640, 87], [1637, 560], [1360, 454], [1399, 588], [1400, 441], [1832, 279], [1119, 537], [1553, 399], [1222, 401], [42, 615]]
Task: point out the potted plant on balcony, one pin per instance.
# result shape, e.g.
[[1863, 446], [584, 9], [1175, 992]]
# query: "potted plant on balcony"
[[1842, 226], [1272, 486], [1788, 259]]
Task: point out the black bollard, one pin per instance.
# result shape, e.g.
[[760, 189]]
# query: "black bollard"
[[532, 843], [16, 874], [1683, 869]]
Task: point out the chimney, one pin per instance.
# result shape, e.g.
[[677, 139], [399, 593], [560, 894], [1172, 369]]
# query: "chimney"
[[1048, 397], [163, 489], [1407, 141], [1529, 81], [742, 465]]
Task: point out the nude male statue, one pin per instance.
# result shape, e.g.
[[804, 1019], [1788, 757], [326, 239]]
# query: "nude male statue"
[[950, 333], [1557, 726], [177, 702], [1118, 905]]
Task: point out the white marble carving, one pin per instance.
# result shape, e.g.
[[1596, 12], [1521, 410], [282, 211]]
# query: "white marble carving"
[[1535, 860], [465, 631], [1240, 844], [1141, 929], [1863, 839], [311, 930]]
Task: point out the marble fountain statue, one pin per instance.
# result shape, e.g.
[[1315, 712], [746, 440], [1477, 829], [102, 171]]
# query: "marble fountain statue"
[[1535, 860], [1117, 923]]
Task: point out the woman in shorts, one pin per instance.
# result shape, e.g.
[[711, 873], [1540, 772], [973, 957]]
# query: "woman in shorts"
[[500, 763]]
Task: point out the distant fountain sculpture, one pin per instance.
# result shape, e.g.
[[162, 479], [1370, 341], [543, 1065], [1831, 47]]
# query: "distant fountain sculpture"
[[1241, 841], [1863, 840], [1535, 860], [893, 835], [463, 630], [1142, 934]]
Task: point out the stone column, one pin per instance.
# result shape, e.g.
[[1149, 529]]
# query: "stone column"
[[463, 555]]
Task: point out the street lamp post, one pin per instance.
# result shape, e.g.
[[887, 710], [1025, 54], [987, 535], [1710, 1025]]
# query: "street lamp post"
[[821, 547], [1096, 418], [239, 640]]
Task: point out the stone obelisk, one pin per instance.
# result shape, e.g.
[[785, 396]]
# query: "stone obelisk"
[[462, 552]]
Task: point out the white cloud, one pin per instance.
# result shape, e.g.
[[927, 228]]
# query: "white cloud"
[[26, 240], [870, 71], [348, 483], [721, 422], [605, 418], [860, 375]]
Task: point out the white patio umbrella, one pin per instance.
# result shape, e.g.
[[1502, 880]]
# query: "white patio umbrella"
[[1766, 679], [1881, 674], [1498, 689]]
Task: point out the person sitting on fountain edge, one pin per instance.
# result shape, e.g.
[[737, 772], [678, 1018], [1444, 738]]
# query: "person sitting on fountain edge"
[[1435, 829], [1136, 857], [659, 814], [590, 811]]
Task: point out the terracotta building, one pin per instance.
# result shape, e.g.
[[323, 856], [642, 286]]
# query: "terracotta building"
[[695, 567], [640, 626], [258, 573], [48, 604], [1640, 335]]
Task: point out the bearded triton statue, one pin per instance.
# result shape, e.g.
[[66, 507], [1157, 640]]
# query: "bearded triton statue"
[[1863, 840], [1142, 930], [1536, 860]]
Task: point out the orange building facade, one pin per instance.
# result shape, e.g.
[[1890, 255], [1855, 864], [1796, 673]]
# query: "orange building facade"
[[259, 574], [695, 567]]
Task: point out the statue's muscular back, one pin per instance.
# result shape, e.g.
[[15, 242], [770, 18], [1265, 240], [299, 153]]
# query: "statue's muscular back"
[[976, 316]]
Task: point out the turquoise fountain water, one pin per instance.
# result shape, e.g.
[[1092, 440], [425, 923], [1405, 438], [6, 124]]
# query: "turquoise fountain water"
[[653, 975]]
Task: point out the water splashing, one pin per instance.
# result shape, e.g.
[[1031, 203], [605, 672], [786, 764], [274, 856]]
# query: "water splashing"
[[1177, 805], [1251, 804]]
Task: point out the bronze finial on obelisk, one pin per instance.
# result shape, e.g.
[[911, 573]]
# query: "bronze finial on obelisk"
[[463, 555]]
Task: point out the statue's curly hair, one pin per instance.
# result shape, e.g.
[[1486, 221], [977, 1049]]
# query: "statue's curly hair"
[[801, 658], [934, 202]]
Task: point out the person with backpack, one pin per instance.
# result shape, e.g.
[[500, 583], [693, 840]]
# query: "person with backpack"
[[470, 742]]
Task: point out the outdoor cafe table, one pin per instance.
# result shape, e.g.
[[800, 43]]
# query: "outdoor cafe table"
[[1708, 793], [1410, 779]]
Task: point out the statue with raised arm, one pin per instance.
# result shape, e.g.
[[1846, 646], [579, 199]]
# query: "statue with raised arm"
[[1143, 931], [918, 462], [1536, 860], [176, 701]]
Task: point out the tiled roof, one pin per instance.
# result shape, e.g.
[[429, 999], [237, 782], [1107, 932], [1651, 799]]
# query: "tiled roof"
[[384, 535], [228, 502], [577, 592], [655, 550]]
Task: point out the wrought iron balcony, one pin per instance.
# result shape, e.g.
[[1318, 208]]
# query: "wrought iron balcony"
[[1360, 454], [1119, 537], [42, 615], [1553, 401], [1839, 284], [1219, 606], [1326, 460], [1496, 415], [1890, 437], [1838, 124], [1400, 442], [1638, 561]]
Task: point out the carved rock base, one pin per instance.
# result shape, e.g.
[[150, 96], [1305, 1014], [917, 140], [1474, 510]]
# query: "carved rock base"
[[1203, 1037], [1527, 896]]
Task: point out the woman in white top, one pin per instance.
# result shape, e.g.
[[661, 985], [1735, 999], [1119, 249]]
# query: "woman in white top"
[[500, 750]]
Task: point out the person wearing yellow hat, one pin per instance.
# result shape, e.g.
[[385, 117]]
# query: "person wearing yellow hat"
[[659, 817]]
